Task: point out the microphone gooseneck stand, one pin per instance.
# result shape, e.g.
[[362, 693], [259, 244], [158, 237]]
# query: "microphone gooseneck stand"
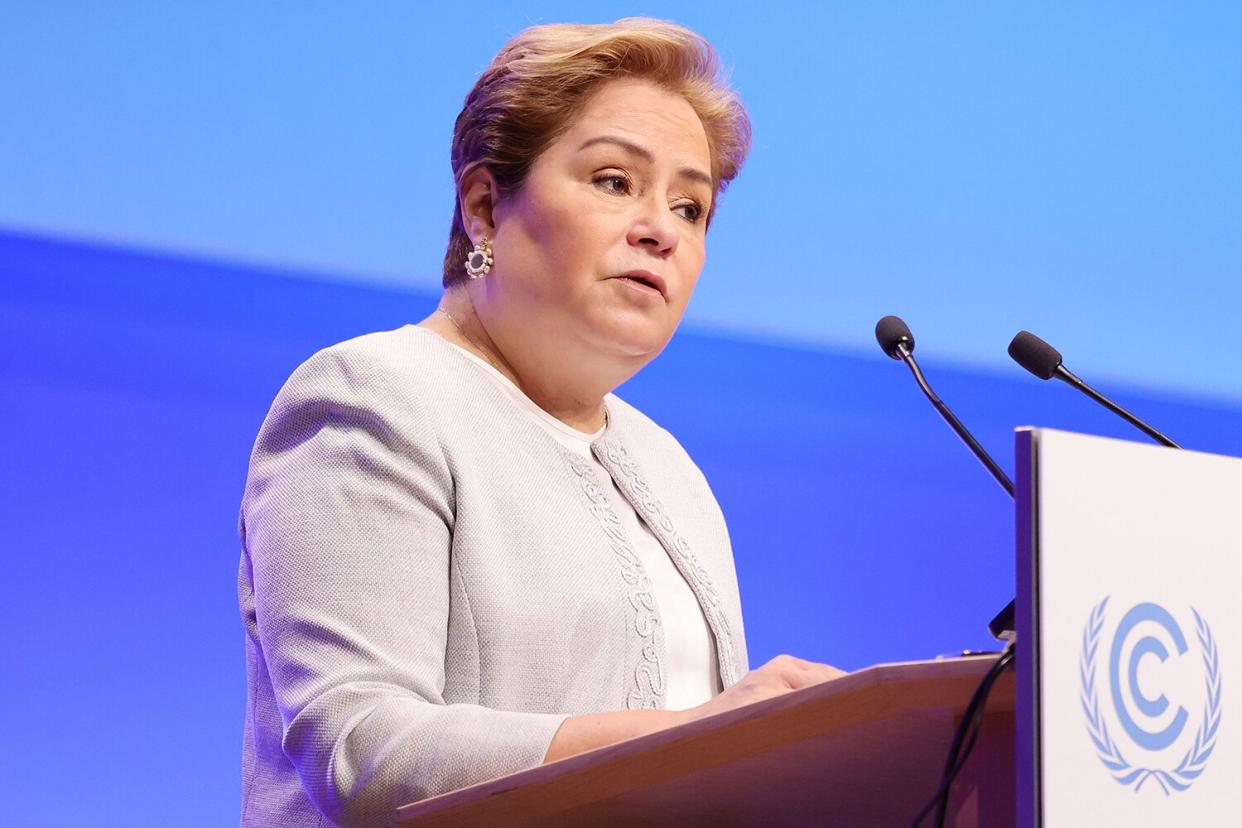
[[897, 341], [1044, 361]]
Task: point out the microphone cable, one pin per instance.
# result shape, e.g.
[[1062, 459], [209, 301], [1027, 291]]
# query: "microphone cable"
[[964, 739]]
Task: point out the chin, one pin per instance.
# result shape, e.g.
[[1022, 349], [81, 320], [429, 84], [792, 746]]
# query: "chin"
[[643, 345], [633, 336]]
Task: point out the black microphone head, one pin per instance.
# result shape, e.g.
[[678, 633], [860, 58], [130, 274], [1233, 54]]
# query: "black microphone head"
[[1035, 355], [891, 332]]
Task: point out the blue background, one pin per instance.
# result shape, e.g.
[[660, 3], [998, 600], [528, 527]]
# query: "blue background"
[[195, 198]]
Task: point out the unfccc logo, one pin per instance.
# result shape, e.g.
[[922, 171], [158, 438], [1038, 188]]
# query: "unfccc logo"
[[1148, 719]]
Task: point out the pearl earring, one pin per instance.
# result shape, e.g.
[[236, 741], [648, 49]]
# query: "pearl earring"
[[480, 260]]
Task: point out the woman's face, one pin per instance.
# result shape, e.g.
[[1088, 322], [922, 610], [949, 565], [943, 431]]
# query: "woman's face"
[[601, 247]]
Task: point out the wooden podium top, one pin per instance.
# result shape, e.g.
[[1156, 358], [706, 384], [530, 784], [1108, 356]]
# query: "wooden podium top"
[[865, 749]]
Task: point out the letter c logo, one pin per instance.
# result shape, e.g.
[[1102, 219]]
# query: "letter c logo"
[[1150, 707]]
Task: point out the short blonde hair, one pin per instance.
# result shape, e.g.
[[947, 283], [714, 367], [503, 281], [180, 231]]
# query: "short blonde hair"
[[541, 78]]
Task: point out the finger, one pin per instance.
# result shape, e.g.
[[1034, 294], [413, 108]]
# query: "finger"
[[818, 668], [813, 673], [831, 672], [815, 665], [795, 677]]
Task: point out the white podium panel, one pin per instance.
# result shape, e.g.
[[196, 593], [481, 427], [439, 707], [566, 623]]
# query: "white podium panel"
[[1129, 633]]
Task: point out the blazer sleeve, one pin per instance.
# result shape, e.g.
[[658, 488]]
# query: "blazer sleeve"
[[347, 527]]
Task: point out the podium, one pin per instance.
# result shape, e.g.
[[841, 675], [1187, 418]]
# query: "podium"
[[1129, 636], [1129, 567], [863, 750]]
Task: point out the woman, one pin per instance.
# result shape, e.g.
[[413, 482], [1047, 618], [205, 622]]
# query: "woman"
[[462, 555]]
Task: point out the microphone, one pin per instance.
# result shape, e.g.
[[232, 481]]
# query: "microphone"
[[1044, 361], [896, 340]]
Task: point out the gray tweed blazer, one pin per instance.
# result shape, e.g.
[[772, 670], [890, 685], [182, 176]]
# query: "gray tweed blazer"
[[431, 584]]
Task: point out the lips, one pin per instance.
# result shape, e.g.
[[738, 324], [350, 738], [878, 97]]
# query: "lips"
[[647, 279]]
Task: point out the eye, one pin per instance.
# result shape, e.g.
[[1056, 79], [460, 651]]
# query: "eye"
[[693, 211], [613, 182]]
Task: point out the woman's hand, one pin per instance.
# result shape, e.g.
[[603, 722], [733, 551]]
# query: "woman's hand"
[[779, 676], [776, 678]]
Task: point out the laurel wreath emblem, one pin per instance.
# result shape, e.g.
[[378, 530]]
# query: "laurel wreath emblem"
[[1188, 770]]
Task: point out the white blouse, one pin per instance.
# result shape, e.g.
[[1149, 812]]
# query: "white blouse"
[[693, 673]]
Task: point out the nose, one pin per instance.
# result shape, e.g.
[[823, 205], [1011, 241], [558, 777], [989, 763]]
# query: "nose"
[[655, 230]]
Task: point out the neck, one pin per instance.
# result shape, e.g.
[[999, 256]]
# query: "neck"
[[574, 398]]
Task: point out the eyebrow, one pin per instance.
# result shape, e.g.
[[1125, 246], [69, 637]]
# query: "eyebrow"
[[645, 154]]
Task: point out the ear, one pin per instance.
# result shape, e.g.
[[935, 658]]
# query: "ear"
[[477, 198]]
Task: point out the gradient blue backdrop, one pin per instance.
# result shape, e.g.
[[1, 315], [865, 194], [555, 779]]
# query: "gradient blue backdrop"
[[194, 198]]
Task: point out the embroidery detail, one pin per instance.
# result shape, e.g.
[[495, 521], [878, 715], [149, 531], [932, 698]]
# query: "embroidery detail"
[[649, 687], [636, 488]]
